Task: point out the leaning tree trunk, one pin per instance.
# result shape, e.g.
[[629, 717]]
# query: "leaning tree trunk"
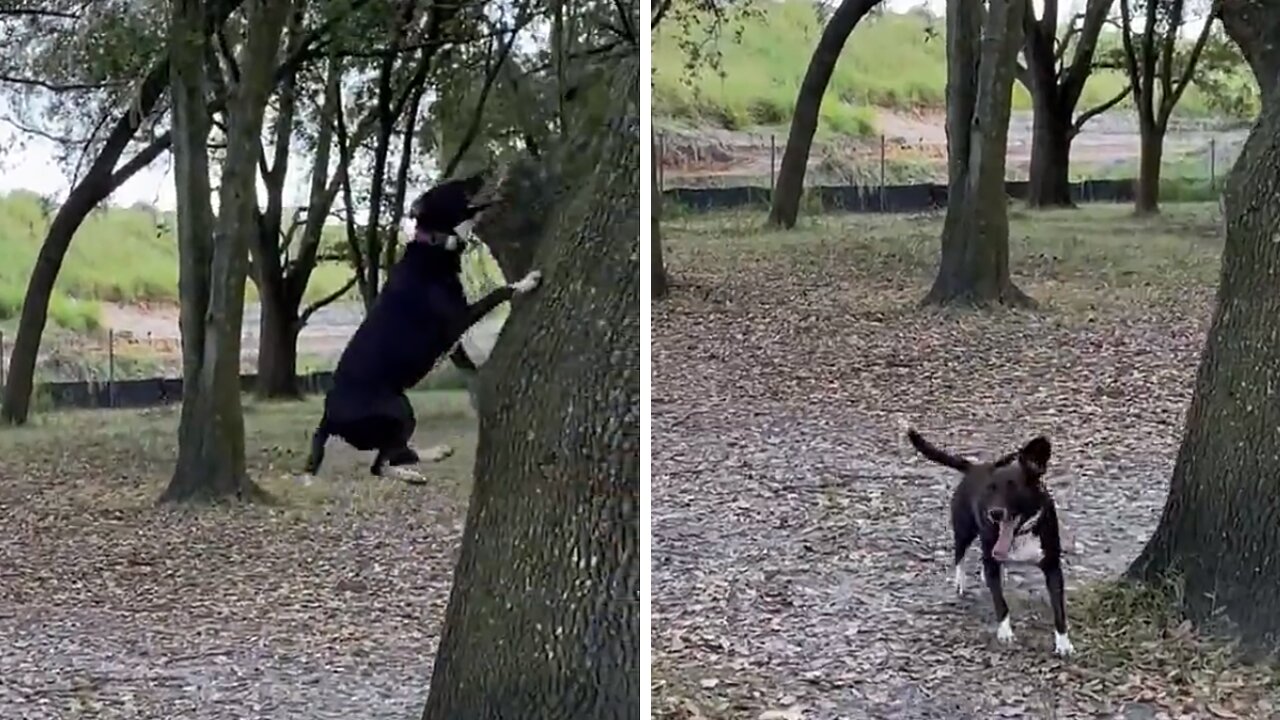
[[1218, 539], [543, 620], [1049, 183], [658, 271], [211, 442], [100, 180], [804, 120], [1147, 198], [974, 267]]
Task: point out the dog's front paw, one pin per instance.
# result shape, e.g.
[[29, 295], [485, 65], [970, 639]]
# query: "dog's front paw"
[[958, 581], [1062, 644], [527, 283], [1004, 631]]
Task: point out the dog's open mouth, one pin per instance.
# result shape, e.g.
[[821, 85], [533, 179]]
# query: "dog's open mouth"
[[1004, 540]]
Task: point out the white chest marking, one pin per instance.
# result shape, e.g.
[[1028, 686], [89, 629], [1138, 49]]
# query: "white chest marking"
[[1026, 549]]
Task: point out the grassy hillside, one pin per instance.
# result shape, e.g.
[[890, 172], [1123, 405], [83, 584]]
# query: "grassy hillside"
[[893, 61], [119, 255]]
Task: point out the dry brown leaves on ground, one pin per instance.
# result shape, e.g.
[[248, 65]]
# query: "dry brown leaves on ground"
[[801, 549], [325, 605]]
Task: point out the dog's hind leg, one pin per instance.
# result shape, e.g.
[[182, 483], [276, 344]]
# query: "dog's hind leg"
[[316, 457], [991, 572], [1057, 598], [395, 458]]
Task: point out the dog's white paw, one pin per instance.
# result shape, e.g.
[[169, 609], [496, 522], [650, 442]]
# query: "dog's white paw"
[[405, 474], [306, 479], [528, 282], [1004, 631], [1062, 644], [958, 580], [436, 453]]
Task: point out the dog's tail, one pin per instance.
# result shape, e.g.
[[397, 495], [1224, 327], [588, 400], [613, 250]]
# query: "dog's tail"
[[318, 441], [936, 454]]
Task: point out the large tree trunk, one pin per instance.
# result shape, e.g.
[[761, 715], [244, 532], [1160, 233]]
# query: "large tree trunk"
[[1150, 159], [543, 620], [974, 267], [1055, 88], [278, 329], [658, 271], [211, 457], [101, 179], [1217, 539], [804, 121], [1049, 183]]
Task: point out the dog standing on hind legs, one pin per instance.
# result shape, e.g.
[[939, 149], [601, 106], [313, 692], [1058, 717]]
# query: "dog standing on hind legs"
[[998, 503], [419, 316]]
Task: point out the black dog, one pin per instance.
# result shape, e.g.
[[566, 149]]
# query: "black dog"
[[998, 503], [419, 316]]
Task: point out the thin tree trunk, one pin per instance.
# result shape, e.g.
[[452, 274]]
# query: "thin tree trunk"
[[974, 267], [543, 619], [658, 278], [1218, 538], [1151, 157], [211, 454], [804, 120]]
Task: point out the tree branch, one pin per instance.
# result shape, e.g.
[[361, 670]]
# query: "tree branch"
[[60, 87], [1169, 103], [473, 127], [1088, 115], [326, 300]]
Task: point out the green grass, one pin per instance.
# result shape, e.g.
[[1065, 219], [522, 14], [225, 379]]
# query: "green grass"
[[1098, 255], [125, 255], [893, 61]]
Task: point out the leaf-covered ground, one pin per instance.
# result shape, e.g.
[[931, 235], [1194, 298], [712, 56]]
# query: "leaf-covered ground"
[[801, 549], [327, 604]]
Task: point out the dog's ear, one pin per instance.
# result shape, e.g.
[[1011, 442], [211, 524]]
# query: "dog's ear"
[[1034, 456]]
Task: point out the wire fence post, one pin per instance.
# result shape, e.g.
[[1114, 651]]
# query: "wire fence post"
[[3, 356], [662, 153], [773, 164], [111, 368], [882, 173], [1213, 163]]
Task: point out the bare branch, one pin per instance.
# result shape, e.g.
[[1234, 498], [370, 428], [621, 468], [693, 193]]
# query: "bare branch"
[[327, 300], [1091, 113], [60, 87], [1168, 103]]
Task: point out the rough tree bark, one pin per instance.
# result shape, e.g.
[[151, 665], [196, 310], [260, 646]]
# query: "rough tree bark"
[[99, 181], [1055, 93], [1158, 79], [658, 277], [213, 270], [981, 58], [543, 620], [1218, 538], [804, 121]]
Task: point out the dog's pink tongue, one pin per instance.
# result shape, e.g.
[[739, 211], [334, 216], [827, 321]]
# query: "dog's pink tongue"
[[1004, 541]]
